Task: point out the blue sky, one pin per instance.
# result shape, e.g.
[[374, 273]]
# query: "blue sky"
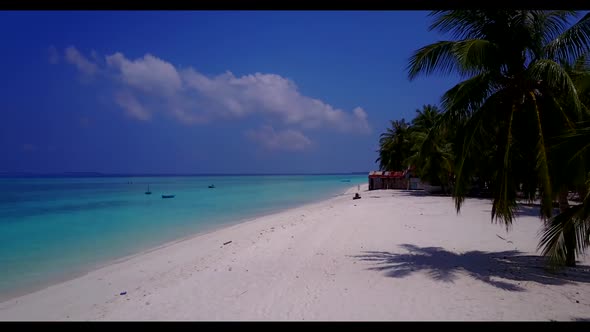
[[206, 92]]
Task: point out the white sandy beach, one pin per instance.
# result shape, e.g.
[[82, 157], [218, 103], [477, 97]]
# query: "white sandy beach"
[[388, 256]]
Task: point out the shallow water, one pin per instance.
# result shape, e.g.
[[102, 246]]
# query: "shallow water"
[[51, 228]]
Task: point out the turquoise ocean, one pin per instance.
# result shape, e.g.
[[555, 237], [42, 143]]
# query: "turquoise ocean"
[[54, 228]]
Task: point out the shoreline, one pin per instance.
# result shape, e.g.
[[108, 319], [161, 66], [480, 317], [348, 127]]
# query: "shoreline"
[[207, 230], [388, 256]]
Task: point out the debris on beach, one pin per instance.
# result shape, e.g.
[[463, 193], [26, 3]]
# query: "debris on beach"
[[228, 242], [122, 293]]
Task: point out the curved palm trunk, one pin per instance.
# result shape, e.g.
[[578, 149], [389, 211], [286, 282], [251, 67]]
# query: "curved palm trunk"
[[569, 234]]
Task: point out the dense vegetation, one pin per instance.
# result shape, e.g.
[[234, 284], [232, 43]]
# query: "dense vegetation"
[[518, 123]]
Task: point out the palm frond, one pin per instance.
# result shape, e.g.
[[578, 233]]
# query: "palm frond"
[[555, 77], [438, 57], [468, 96], [543, 165], [472, 126], [504, 203], [577, 140], [552, 242], [573, 42], [550, 24], [462, 24], [477, 54]]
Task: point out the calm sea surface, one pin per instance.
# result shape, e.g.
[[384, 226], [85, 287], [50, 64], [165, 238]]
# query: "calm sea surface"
[[54, 228]]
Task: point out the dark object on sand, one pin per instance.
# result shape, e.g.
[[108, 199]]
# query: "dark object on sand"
[[168, 196], [122, 293], [357, 196], [228, 242]]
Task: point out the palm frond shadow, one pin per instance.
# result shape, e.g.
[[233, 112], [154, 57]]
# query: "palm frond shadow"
[[489, 267], [526, 210]]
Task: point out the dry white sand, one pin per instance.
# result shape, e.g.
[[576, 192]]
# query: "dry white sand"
[[388, 256]]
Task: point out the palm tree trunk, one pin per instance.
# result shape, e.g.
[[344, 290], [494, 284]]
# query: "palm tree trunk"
[[569, 234]]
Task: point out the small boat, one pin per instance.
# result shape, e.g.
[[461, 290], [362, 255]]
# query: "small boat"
[[212, 186], [168, 196], [148, 192], [344, 180]]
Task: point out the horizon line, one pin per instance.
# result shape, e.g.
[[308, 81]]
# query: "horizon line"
[[101, 174]]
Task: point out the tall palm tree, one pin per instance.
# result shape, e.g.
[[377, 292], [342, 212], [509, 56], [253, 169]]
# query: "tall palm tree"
[[431, 149], [426, 118], [394, 146], [569, 232], [516, 89]]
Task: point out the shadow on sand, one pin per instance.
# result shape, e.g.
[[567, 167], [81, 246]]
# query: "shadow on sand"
[[488, 267], [423, 193], [579, 319], [528, 210]]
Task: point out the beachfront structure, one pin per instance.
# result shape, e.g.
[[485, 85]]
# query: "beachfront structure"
[[387, 180], [392, 180]]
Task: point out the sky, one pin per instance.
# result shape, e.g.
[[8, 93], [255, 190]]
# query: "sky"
[[206, 91]]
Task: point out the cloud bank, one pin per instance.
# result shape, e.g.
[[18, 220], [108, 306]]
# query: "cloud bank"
[[289, 140], [149, 85]]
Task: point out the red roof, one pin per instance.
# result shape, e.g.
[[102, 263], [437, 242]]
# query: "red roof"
[[394, 175]]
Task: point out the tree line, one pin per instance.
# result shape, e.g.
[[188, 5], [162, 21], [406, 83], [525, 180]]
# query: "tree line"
[[518, 124]]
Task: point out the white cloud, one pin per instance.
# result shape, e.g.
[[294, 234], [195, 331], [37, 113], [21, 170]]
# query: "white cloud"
[[290, 140], [361, 116], [84, 65], [148, 85], [94, 56], [271, 95], [53, 55], [149, 74], [132, 106]]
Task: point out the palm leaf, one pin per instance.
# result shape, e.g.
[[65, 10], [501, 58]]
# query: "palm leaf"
[[555, 77], [477, 54], [462, 24], [575, 219], [468, 96], [472, 127], [542, 165], [545, 26], [573, 42], [577, 140], [438, 57], [504, 203]]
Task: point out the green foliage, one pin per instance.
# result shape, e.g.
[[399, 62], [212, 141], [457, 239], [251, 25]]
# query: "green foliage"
[[432, 154], [394, 146], [526, 84]]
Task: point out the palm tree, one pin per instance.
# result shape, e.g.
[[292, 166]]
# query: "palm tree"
[[569, 232], [516, 89], [431, 149], [394, 146]]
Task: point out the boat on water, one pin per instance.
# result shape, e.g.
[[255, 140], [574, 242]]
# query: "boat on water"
[[344, 180], [148, 192], [212, 186], [168, 196]]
